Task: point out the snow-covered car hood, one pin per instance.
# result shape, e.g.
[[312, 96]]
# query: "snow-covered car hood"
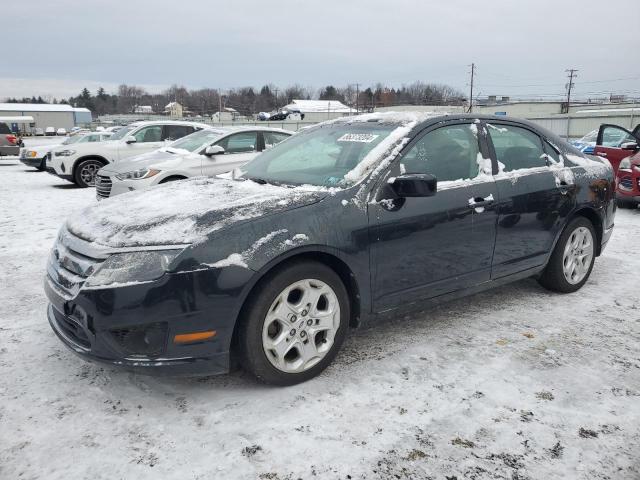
[[184, 212], [163, 158], [89, 146]]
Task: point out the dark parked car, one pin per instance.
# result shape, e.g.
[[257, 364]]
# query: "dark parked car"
[[346, 222]]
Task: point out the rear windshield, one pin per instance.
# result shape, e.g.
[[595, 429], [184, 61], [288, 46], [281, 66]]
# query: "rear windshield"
[[4, 128]]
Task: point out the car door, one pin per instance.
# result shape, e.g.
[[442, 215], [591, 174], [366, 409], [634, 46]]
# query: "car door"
[[430, 246], [532, 197], [239, 148], [610, 141], [148, 138]]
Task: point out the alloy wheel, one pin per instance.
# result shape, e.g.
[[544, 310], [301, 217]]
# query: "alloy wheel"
[[578, 254], [300, 326]]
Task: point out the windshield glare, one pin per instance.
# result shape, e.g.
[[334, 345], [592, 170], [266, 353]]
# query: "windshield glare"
[[590, 137], [197, 140], [320, 156], [122, 133]]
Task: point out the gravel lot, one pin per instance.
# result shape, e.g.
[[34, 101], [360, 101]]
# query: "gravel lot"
[[515, 383]]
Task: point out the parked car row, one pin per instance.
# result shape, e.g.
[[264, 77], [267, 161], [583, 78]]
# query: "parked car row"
[[341, 224]]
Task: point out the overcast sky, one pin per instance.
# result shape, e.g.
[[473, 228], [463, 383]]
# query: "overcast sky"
[[521, 47]]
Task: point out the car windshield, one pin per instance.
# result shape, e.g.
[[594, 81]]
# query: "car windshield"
[[197, 140], [122, 133], [320, 156]]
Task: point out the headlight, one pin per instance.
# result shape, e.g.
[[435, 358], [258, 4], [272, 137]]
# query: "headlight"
[[131, 268], [625, 164], [138, 174], [65, 153], [30, 154]]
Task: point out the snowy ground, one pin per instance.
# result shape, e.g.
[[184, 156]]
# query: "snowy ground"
[[515, 383]]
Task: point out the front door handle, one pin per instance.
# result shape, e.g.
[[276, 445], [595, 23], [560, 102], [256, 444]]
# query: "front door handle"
[[479, 203], [601, 154]]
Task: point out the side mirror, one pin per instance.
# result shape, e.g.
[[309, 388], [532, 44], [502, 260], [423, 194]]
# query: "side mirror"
[[629, 146], [131, 139], [414, 185], [214, 150]]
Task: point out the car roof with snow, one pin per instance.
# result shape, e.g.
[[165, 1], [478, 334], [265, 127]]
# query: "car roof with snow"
[[168, 122]]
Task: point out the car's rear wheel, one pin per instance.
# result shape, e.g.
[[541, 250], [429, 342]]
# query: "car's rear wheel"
[[572, 259], [85, 172], [295, 324], [624, 204]]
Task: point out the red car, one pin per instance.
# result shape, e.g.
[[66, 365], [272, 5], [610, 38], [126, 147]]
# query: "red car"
[[620, 147], [628, 182]]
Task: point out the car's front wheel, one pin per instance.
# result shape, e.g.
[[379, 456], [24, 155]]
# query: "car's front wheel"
[[85, 172], [295, 324], [572, 259]]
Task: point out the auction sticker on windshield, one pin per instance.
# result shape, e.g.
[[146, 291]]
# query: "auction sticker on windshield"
[[358, 137]]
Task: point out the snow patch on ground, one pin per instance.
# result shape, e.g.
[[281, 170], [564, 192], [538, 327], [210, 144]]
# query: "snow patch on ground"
[[516, 382]]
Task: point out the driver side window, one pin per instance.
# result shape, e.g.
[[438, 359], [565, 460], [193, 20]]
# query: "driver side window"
[[245, 142], [149, 134], [449, 153], [614, 137]]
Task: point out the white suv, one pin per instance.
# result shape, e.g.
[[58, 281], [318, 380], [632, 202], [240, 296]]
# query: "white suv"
[[79, 163], [208, 152]]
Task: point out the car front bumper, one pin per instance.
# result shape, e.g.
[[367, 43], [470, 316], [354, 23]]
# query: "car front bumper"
[[34, 162], [119, 326]]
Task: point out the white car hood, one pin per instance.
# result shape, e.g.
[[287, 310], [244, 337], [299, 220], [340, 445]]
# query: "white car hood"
[[42, 150], [162, 159]]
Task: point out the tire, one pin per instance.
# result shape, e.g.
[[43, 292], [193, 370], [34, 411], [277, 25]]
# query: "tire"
[[84, 174], [268, 322], [623, 204], [171, 179], [572, 259]]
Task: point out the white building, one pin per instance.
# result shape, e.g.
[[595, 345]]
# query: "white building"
[[143, 109], [319, 110], [47, 115], [173, 109]]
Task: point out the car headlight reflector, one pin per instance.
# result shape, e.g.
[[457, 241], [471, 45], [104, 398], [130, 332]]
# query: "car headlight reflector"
[[138, 174], [132, 267], [31, 154], [65, 153]]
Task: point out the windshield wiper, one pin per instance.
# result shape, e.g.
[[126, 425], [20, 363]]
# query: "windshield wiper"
[[260, 181]]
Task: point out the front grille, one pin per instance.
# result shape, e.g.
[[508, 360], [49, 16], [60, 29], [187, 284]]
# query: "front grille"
[[72, 330], [103, 186], [141, 340], [71, 262], [626, 182]]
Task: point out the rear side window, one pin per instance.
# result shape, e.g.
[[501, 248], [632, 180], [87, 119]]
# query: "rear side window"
[[174, 132], [240, 142], [517, 148]]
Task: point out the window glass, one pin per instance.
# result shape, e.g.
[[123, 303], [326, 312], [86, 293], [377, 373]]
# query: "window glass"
[[614, 137], [516, 147], [551, 152], [149, 134], [272, 138], [197, 140], [240, 142], [174, 132], [449, 153]]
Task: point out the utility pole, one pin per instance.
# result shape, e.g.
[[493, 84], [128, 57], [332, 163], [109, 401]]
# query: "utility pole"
[[473, 71], [276, 90], [357, 97], [219, 106], [572, 74]]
